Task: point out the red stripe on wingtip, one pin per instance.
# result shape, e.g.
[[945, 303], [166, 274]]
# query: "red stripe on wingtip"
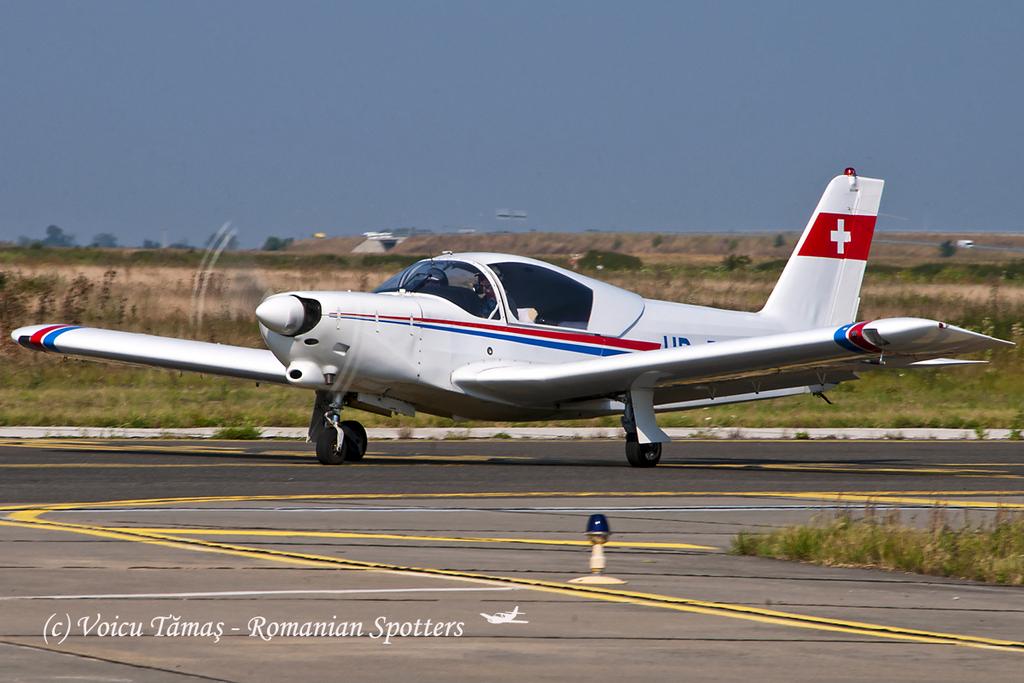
[[37, 336]]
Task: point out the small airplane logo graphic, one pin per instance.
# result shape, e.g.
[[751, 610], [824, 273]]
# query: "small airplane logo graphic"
[[505, 617]]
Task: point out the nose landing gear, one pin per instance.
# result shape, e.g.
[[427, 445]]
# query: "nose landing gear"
[[355, 434], [330, 449], [337, 441]]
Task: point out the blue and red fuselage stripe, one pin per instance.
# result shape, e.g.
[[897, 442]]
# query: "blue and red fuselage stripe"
[[592, 344]]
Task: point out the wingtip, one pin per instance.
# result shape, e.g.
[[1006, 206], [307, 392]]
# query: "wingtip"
[[29, 336], [25, 332]]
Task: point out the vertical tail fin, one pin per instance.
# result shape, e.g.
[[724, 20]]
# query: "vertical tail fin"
[[820, 285]]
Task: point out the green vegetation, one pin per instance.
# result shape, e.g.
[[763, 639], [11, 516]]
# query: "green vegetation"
[[609, 260], [736, 262], [189, 258], [247, 432], [991, 551], [104, 240], [275, 243]]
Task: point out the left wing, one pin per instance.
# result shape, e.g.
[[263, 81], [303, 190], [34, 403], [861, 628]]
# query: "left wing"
[[148, 349], [638, 375]]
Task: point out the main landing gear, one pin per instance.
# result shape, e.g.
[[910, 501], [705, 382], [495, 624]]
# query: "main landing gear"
[[337, 441], [642, 454], [639, 418]]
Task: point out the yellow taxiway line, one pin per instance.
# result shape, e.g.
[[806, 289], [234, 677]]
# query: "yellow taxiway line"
[[895, 497], [848, 469], [188, 531], [935, 498]]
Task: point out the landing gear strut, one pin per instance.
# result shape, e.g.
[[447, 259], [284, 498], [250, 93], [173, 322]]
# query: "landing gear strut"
[[337, 441]]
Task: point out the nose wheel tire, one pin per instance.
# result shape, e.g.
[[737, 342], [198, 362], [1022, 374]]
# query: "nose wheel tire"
[[355, 435], [327, 451], [642, 454]]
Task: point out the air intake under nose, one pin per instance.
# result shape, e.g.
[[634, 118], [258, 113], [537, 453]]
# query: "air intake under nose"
[[288, 314]]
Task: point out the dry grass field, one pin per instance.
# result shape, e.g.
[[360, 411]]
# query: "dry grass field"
[[165, 293]]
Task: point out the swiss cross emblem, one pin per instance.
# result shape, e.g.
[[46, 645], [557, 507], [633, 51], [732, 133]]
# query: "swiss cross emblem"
[[840, 236]]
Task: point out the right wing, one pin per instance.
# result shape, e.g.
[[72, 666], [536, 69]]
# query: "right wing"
[[148, 349], [903, 340]]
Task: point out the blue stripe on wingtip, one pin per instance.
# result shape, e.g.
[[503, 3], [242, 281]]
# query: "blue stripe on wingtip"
[[841, 339], [51, 336]]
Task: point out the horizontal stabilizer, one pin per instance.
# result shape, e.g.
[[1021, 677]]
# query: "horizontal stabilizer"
[[916, 336], [944, 362]]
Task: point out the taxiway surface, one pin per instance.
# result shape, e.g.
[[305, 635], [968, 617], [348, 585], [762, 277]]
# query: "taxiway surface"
[[248, 561]]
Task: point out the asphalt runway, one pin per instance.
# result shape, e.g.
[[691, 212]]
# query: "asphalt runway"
[[248, 561]]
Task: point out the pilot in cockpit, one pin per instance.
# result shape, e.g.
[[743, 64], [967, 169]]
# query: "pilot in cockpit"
[[485, 292]]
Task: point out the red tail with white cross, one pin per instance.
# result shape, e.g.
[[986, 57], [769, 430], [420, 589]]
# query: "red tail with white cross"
[[820, 285]]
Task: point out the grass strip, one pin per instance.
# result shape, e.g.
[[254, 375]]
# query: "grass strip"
[[991, 551]]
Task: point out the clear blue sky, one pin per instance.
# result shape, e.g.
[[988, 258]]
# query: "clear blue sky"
[[285, 118]]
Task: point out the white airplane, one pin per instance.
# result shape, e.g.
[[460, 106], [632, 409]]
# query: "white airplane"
[[499, 337], [505, 617]]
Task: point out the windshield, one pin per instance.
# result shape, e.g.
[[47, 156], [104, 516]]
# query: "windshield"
[[544, 297], [392, 283], [460, 283]]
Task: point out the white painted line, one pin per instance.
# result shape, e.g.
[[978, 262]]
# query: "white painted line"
[[233, 594]]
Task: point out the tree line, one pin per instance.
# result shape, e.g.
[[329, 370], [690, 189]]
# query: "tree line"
[[56, 236]]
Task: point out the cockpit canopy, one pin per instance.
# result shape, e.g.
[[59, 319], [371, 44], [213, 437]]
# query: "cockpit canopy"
[[543, 296], [534, 293], [462, 283]]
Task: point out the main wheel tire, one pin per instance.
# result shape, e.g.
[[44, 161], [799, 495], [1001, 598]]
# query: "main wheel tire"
[[642, 454], [327, 447], [355, 434]]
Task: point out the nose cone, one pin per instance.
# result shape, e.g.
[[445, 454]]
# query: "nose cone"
[[282, 313]]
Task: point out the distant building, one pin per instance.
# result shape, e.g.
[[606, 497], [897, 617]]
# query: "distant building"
[[378, 243]]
